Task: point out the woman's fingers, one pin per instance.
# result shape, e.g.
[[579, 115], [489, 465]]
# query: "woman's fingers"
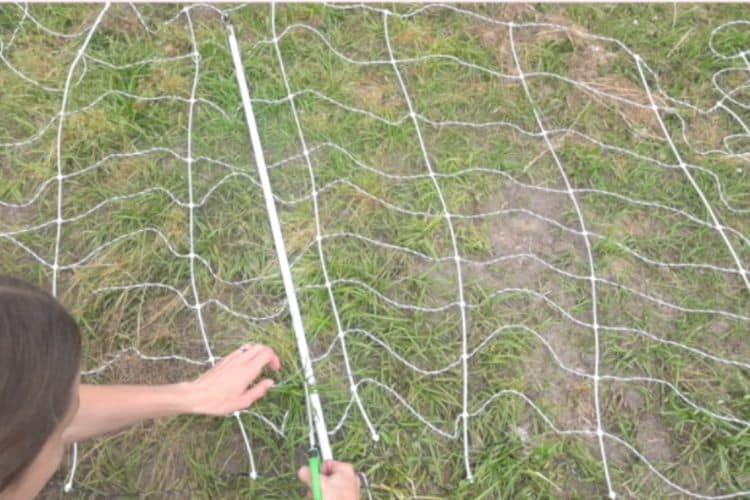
[[256, 392], [249, 364], [243, 351], [334, 467], [249, 351], [260, 359], [253, 358], [303, 474], [267, 356]]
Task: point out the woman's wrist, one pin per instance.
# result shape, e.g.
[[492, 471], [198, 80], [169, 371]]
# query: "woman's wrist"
[[187, 398]]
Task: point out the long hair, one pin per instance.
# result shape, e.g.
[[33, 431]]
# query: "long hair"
[[40, 353]]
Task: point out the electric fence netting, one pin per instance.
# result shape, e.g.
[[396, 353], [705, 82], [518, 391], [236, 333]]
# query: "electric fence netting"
[[520, 253]]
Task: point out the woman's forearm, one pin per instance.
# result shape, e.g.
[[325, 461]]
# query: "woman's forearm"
[[108, 408], [223, 389]]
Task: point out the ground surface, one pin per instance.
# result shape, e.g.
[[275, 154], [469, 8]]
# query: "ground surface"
[[598, 207]]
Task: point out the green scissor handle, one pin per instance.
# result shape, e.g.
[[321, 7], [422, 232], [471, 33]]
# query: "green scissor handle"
[[315, 474]]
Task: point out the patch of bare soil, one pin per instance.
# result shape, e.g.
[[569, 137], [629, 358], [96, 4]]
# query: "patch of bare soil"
[[729, 339], [130, 369], [206, 16], [495, 38], [571, 397], [652, 437], [521, 232], [15, 216], [626, 271], [157, 325], [590, 62], [375, 92], [120, 19]]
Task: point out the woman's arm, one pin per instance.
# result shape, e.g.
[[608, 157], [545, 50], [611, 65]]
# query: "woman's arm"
[[223, 389]]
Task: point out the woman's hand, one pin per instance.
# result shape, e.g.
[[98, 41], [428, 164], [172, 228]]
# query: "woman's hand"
[[225, 388], [337, 480]]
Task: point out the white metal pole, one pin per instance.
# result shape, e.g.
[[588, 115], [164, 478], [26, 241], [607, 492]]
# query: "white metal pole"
[[278, 239]]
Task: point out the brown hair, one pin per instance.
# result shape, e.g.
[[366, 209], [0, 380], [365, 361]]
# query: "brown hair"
[[40, 351]]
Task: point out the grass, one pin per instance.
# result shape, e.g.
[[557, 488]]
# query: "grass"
[[518, 329]]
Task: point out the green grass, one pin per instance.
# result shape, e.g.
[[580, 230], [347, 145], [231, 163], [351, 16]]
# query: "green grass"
[[513, 451]]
